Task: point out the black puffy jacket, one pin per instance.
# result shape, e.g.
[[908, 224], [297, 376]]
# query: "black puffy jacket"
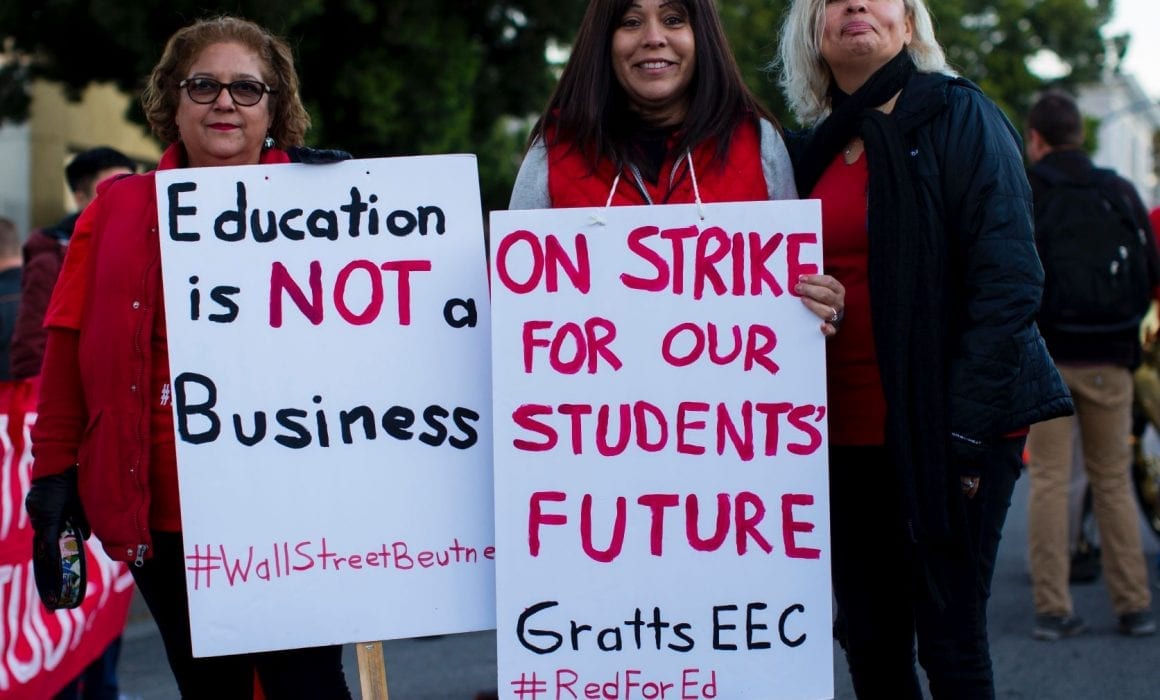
[[970, 182]]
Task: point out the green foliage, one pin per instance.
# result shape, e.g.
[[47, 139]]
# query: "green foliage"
[[987, 41], [991, 41], [753, 27], [379, 78], [1091, 135], [431, 76]]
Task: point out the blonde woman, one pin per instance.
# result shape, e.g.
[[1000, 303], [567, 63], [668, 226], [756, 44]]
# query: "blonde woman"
[[939, 367]]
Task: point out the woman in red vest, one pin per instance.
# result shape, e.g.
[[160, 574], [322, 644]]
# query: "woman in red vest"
[[651, 109]]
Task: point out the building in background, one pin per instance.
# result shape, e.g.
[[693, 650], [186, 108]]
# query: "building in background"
[[33, 154], [1129, 120]]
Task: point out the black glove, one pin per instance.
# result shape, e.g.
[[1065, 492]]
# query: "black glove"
[[54, 499], [59, 530]]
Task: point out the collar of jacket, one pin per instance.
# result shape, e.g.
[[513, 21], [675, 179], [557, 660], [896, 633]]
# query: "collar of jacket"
[[925, 96]]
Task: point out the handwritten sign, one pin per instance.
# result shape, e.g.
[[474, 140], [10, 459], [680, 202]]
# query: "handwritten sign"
[[660, 462], [328, 330]]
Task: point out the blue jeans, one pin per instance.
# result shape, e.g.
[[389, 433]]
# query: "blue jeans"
[[884, 600]]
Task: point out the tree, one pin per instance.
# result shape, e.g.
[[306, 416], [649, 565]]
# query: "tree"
[[990, 42], [753, 27], [987, 41], [378, 78], [435, 76]]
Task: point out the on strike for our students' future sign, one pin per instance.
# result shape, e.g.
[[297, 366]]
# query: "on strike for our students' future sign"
[[661, 486], [328, 330]]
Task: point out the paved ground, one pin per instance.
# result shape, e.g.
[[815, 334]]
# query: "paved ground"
[[1099, 665]]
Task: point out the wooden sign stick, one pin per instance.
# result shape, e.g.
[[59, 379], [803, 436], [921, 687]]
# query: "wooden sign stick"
[[372, 670]]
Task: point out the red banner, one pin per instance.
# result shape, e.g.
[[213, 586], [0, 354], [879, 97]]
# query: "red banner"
[[41, 651]]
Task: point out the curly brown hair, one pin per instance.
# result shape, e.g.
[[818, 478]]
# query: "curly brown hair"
[[288, 118]]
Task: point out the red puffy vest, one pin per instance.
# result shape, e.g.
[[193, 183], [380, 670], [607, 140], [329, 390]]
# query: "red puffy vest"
[[737, 178]]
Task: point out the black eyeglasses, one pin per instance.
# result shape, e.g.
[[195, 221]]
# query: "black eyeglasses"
[[245, 93]]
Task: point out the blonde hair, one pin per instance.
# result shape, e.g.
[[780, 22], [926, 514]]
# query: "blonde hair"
[[805, 77], [288, 118]]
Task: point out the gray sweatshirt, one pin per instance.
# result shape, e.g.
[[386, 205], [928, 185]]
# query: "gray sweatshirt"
[[531, 188]]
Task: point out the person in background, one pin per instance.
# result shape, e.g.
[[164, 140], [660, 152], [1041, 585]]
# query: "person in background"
[[10, 261], [1096, 352], [44, 253], [43, 256], [939, 368], [225, 92], [651, 109]]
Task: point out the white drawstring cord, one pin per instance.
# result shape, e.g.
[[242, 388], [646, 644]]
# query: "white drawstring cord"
[[596, 219], [696, 189], [599, 220], [612, 192]]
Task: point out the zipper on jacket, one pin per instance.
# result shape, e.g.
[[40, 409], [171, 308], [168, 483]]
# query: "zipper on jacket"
[[640, 186], [673, 174], [643, 189], [140, 560]]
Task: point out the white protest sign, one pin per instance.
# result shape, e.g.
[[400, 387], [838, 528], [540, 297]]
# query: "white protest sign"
[[328, 331], [660, 454]]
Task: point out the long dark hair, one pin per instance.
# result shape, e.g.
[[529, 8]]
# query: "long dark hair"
[[589, 109]]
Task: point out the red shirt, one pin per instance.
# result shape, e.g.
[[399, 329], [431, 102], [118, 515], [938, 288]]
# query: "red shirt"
[[739, 178], [857, 406]]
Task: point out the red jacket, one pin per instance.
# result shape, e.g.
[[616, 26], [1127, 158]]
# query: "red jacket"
[[94, 399], [738, 178]]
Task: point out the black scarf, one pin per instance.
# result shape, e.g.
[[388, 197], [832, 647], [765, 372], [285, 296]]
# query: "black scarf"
[[845, 120], [907, 274]]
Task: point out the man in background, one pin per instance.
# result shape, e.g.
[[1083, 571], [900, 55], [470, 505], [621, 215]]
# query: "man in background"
[[1100, 273], [43, 256]]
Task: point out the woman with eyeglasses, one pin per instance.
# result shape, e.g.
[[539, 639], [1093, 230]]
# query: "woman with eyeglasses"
[[225, 92]]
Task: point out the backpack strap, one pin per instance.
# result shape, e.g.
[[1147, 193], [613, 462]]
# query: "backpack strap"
[[1103, 179]]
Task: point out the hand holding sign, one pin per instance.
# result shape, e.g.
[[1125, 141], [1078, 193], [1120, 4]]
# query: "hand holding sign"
[[328, 332]]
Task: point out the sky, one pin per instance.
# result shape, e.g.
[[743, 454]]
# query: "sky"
[[1138, 17]]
